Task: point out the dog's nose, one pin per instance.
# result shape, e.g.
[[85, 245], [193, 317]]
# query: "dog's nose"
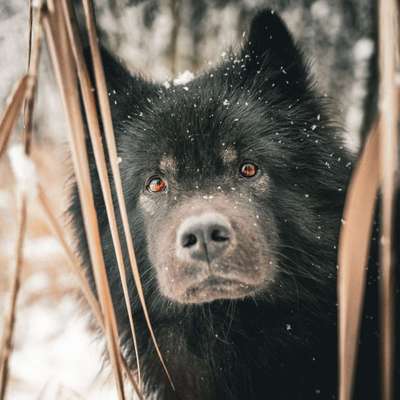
[[203, 237]]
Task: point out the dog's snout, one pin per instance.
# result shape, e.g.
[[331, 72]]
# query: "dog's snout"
[[203, 237]]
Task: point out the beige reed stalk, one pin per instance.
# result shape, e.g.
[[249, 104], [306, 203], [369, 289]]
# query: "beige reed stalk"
[[389, 108], [12, 111], [353, 254], [61, 56], [25, 93], [377, 166], [112, 152], [9, 322], [89, 102], [34, 50]]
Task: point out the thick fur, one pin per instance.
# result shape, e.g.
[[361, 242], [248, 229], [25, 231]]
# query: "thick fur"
[[262, 103]]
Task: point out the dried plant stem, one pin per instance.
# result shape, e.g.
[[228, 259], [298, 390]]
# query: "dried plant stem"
[[353, 258], [72, 259], [106, 118], [89, 102], [388, 37], [61, 57], [30, 32], [15, 284], [12, 112], [35, 46], [377, 165], [76, 269], [25, 92]]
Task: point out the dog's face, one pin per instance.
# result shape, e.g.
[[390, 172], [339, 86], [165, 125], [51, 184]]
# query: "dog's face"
[[207, 233], [218, 172]]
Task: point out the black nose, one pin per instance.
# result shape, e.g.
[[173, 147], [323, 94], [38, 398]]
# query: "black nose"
[[203, 237]]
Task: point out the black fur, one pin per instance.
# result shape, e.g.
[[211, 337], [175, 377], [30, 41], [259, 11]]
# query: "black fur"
[[281, 344]]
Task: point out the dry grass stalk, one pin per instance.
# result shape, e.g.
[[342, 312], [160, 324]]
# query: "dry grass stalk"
[[60, 53], [30, 31], [35, 45], [353, 257], [89, 102], [377, 166], [26, 94], [72, 259], [12, 112], [76, 270], [106, 118], [6, 345], [388, 37]]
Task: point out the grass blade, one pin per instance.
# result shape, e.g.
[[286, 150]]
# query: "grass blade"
[[72, 259], [89, 102], [60, 53], [388, 50], [354, 245], [6, 345], [35, 46], [12, 112], [112, 152], [25, 92]]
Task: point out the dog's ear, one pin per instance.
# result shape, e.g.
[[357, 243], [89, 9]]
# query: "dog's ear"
[[270, 46], [127, 92], [117, 75]]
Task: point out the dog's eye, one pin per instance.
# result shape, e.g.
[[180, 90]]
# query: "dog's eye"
[[248, 170], [156, 184]]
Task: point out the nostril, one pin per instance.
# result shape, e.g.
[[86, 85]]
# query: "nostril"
[[189, 240], [219, 235], [204, 238]]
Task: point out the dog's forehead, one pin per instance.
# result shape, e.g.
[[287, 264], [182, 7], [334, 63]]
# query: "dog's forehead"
[[196, 127], [182, 161]]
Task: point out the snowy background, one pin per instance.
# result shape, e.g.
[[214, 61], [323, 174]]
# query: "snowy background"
[[57, 352]]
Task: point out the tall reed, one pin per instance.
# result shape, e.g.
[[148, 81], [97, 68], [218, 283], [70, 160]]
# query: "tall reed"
[[376, 169]]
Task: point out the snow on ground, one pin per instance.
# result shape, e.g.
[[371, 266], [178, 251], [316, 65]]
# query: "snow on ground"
[[57, 352]]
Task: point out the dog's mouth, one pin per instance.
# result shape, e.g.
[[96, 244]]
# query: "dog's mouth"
[[217, 288]]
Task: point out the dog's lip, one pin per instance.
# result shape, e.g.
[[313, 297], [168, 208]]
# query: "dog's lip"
[[216, 287], [216, 281]]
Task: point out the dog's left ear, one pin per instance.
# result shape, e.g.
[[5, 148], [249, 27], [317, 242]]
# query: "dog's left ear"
[[127, 92], [271, 46]]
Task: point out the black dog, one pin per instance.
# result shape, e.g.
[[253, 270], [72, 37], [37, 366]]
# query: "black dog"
[[235, 185]]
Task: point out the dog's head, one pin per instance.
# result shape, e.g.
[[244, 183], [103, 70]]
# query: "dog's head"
[[234, 181]]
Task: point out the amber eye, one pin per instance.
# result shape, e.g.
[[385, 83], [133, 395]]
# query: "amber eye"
[[156, 184], [248, 170]]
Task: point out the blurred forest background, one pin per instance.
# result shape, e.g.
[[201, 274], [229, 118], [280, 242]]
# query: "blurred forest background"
[[56, 352]]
